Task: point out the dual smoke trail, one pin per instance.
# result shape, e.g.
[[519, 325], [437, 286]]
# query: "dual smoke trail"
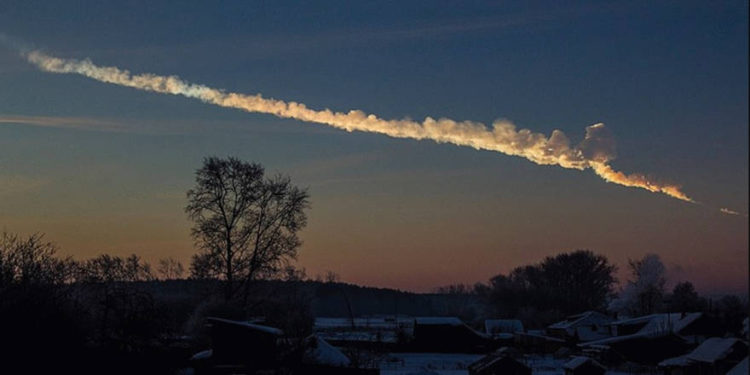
[[594, 152]]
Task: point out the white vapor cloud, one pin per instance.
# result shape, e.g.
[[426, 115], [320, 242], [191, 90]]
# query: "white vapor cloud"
[[594, 152], [730, 212]]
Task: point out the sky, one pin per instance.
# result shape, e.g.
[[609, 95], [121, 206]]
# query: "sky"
[[101, 168]]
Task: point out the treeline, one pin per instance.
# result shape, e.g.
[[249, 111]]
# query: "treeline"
[[578, 281], [89, 315]]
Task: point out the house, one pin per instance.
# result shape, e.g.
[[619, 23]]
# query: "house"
[[447, 335], [537, 341], [640, 347], [587, 326], [239, 346], [502, 328], [716, 355], [583, 366], [365, 332], [500, 362], [320, 357], [740, 369]]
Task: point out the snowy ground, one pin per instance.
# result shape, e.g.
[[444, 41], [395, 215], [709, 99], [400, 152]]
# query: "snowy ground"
[[427, 363], [457, 364]]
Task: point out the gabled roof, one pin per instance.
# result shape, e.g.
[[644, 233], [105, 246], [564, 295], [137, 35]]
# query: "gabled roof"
[[246, 325], [740, 369], [491, 359], [320, 352], [577, 362], [573, 320], [638, 335], [442, 321], [503, 325], [710, 351], [674, 322]]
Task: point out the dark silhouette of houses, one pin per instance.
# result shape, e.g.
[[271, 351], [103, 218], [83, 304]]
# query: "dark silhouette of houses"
[[715, 356], [583, 327], [695, 326], [503, 361], [538, 342], [740, 369], [320, 357], [653, 338], [642, 348], [502, 328], [447, 335], [583, 366], [238, 346]]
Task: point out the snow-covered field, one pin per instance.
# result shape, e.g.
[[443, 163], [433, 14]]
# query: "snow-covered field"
[[457, 364]]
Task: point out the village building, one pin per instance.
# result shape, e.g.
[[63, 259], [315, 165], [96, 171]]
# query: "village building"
[[584, 327], [642, 348], [538, 342], [583, 366], [503, 361], [502, 328], [446, 335], [740, 369], [695, 327], [715, 356], [238, 346]]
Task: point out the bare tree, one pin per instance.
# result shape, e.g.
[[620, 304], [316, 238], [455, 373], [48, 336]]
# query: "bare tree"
[[170, 269], [644, 293], [245, 224]]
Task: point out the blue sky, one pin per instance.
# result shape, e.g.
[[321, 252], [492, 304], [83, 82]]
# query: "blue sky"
[[668, 78]]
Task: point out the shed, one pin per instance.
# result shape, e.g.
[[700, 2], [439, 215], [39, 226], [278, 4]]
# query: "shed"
[[241, 343], [583, 366], [447, 334], [587, 326], [502, 328], [499, 363], [715, 355]]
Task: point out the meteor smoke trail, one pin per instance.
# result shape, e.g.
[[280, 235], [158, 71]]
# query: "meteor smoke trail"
[[595, 151]]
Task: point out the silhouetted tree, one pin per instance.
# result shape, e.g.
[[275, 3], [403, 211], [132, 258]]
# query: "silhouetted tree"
[[170, 269], [644, 293], [37, 317], [564, 284], [731, 311], [245, 224], [684, 298]]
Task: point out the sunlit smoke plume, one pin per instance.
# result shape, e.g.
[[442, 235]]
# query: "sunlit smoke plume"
[[730, 212], [595, 151]]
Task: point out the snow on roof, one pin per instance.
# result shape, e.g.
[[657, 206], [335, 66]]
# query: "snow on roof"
[[576, 362], [740, 369], [572, 320], [540, 335], [365, 322], [674, 322], [713, 349], [443, 321], [320, 352], [503, 325], [206, 354], [710, 351], [256, 327], [616, 339]]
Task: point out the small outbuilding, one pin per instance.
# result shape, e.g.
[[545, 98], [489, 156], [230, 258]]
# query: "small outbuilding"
[[447, 335], [497, 363], [502, 328], [714, 356], [583, 366], [583, 327]]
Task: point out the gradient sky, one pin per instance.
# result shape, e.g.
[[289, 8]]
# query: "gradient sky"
[[101, 168]]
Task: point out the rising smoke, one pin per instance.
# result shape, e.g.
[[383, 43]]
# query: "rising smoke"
[[595, 151]]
